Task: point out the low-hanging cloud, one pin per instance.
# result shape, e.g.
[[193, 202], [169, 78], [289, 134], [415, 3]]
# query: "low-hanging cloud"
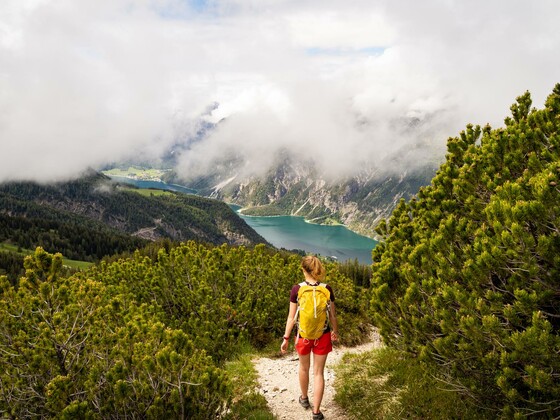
[[345, 84]]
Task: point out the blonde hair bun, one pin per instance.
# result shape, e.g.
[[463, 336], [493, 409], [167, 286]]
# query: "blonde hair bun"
[[313, 266]]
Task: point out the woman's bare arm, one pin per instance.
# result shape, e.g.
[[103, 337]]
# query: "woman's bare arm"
[[334, 322], [289, 326]]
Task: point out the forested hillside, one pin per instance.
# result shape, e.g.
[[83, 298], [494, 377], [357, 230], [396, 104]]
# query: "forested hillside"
[[92, 217], [467, 277], [147, 337]]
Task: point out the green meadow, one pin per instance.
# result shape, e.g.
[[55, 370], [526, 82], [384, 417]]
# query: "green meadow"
[[81, 265], [136, 172]]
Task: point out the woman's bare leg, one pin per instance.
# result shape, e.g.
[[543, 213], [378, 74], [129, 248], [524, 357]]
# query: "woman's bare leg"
[[319, 361], [304, 362]]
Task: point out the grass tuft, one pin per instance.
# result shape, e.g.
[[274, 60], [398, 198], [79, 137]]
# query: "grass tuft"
[[80, 265], [388, 384], [247, 402]]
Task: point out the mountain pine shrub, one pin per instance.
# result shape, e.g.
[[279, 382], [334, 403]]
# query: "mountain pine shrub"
[[74, 348], [468, 275], [148, 336]]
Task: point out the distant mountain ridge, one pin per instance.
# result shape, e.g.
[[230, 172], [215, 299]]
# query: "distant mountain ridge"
[[293, 187], [97, 206]]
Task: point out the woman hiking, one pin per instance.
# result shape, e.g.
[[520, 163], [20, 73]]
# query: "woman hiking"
[[313, 302]]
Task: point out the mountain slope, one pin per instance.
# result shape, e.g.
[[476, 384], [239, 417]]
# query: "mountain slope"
[[74, 214], [295, 188]]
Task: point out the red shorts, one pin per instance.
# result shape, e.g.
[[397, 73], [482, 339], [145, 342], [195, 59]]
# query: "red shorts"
[[321, 346]]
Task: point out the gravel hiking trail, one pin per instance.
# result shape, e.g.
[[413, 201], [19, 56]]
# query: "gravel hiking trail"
[[278, 382]]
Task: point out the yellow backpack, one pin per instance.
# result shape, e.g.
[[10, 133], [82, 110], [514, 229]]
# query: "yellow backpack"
[[313, 307]]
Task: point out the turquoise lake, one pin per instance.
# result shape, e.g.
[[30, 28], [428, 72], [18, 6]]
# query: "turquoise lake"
[[157, 185], [292, 232]]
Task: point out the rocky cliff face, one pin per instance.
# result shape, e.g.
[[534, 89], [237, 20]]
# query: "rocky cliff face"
[[295, 188]]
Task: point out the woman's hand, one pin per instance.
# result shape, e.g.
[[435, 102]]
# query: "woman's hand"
[[284, 346], [334, 336]]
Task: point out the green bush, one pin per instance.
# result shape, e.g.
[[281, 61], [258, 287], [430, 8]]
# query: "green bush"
[[467, 274], [75, 348], [351, 302], [227, 295], [148, 337]]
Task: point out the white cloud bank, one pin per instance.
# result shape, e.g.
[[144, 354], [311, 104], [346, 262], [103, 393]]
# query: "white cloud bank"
[[87, 82]]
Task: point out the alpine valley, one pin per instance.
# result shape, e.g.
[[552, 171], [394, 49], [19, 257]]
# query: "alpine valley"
[[295, 187]]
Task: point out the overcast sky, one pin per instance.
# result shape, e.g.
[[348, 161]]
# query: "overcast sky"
[[85, 82]]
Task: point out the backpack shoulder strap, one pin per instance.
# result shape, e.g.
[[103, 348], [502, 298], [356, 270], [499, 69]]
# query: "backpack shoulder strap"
[[329, 295], [325, 286]]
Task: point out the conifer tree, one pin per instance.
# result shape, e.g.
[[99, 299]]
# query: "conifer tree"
[[76, 348], [467, 274]]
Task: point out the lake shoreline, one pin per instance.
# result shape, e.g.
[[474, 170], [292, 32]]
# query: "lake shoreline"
[[188, 190], [310, 221], [288, 231]]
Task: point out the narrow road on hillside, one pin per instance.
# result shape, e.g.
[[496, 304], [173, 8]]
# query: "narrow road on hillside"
[[278, 380]]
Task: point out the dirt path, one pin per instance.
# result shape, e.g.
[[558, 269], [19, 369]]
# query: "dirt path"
[[279, 384]]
